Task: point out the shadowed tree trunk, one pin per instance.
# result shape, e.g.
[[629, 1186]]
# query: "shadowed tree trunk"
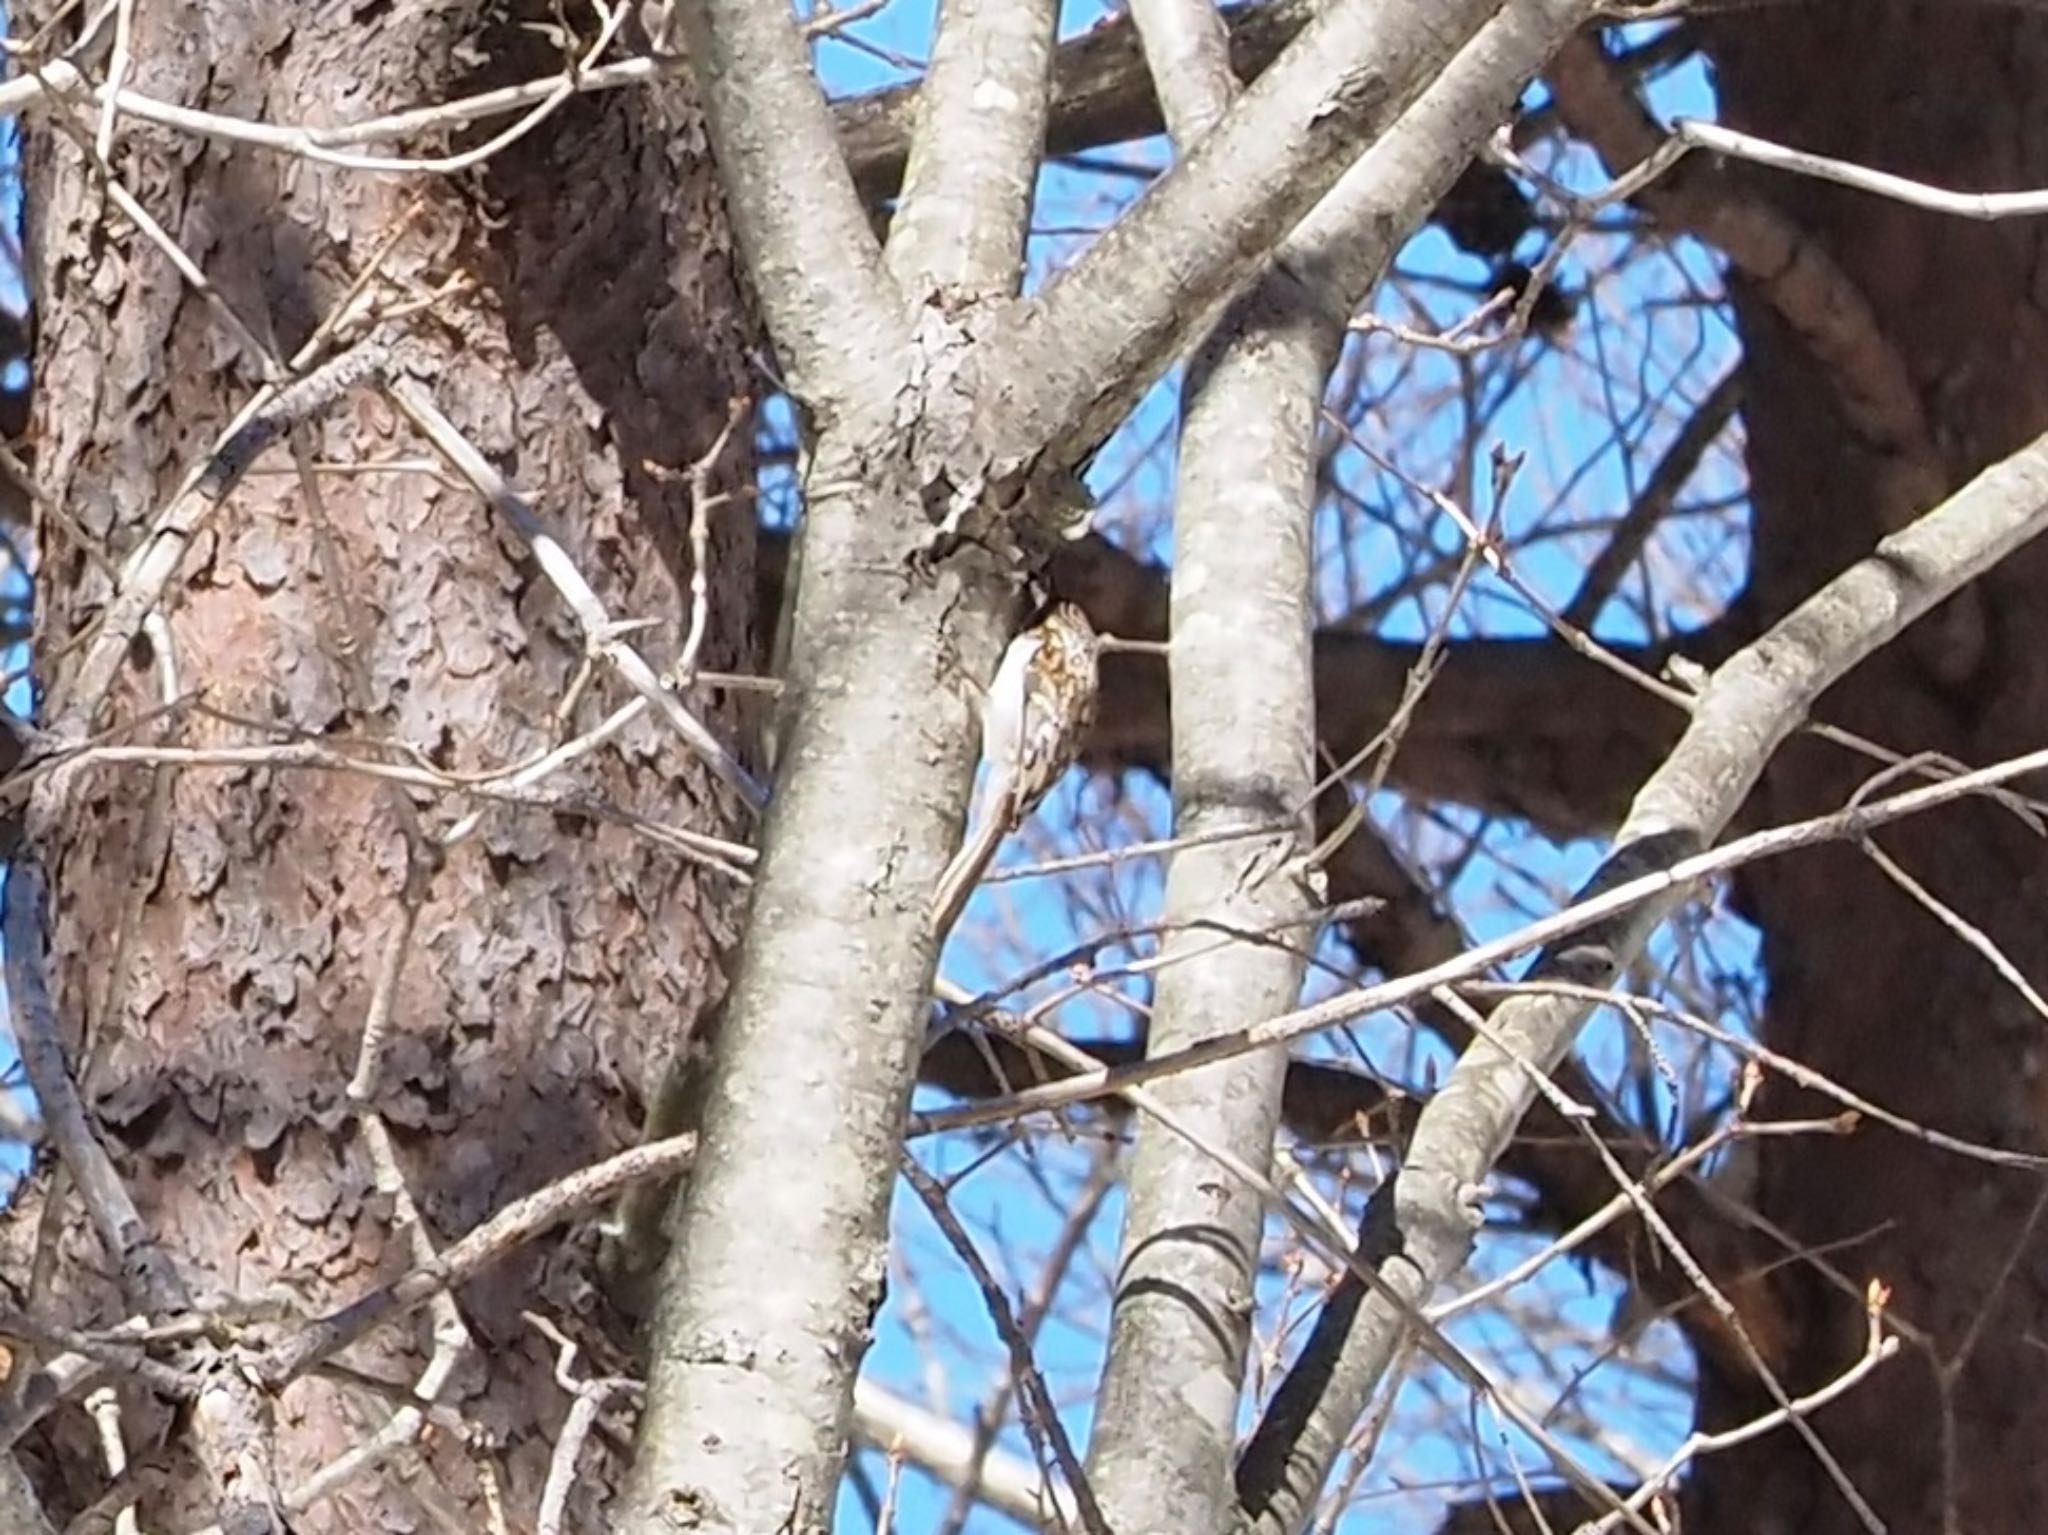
[[1879, 995], [216, 933]]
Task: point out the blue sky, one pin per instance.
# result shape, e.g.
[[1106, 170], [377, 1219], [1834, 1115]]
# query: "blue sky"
[[1590, 413], [1587, 442]]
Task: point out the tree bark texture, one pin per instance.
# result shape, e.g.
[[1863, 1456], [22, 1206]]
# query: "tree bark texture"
[[216, 933], [1865, 985]]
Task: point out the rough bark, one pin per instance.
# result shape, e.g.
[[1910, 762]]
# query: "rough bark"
[[1874, 992], [217, 932]]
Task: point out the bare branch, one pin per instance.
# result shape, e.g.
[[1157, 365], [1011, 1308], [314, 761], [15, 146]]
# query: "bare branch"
[[874, 764], [512, 1226], [807, 242], [950, 1451], [1752, 704], [537, 100], [1598, 910], [1517, 727], [1793, 272], [148, 1277], [1037, 1310], [1653, 504], [1987, 207], [1187, 52], [1100, 93], [1088, 346], [1040, 1412], [1878, 1347], [959, 228], [587, 1399], [600, 632], [1243, 689]]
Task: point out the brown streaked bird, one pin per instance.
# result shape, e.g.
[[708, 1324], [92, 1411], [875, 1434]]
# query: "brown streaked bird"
[[1037, 710]]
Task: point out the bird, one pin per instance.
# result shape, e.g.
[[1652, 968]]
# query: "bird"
[[1036, 711]]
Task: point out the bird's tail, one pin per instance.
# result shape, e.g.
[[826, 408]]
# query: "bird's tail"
[[964, 873]]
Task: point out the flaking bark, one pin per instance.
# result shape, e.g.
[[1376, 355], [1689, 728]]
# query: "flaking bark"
[[216, 932]]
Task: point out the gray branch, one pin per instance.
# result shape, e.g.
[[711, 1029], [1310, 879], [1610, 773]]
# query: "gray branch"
[[779, 1240], [805, 1102], [807, 243], [1243, 722], [1187, 53], [1753, 702], [1084, 350], [1099, 93], [1242, 675], [946, 1448], [974, 158]]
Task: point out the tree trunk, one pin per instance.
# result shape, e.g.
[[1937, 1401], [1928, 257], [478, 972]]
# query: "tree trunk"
[[216, 933], [1877, 993]]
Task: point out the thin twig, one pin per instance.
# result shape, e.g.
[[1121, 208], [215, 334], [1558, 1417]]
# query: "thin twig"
[[1041, 1414], [517, 1223], [600, 632], [1597, 909], [1878, 1347], [586, 1400]]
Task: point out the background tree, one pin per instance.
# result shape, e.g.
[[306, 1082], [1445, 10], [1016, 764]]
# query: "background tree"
[[303, 999], [222, 933]]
